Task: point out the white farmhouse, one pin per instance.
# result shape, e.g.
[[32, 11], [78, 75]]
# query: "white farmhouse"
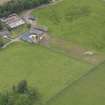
[[14, 21]]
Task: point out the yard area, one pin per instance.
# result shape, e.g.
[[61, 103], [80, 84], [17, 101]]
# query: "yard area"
[[19, 30], [81, 22], [47, 71]]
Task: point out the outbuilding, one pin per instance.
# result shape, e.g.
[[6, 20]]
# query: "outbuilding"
[[5, 33], [34, 36], [13, 21]]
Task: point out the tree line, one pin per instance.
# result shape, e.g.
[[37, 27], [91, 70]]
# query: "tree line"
[[15, 6]]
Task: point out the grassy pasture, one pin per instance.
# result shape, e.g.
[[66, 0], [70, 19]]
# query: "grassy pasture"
[[81, 22], [48, 71], [90, 90]]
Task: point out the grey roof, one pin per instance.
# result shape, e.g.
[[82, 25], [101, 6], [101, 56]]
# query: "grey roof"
[[37, 31], [32, 17], [33, 31], [29, 17], [4, 33], [25, 37]]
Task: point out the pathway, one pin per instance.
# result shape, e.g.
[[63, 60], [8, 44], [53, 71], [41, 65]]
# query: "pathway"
[[73, 50], [29, 12], [12, 41]]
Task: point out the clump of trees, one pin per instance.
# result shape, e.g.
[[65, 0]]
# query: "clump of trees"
[[19, 5], [21, 94]]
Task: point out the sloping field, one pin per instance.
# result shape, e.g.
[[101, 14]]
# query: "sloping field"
[[89, 90], [45, 70], [79, 21]]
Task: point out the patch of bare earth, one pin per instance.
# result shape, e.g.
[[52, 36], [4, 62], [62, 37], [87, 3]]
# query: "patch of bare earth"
[[71, 49], [3, 1], [45, 41]]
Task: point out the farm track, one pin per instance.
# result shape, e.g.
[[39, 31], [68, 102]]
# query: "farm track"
[[12, 41], [96, 64], [70, 49]]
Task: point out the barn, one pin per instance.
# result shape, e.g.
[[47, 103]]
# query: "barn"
[[13, 21], [34, 36]]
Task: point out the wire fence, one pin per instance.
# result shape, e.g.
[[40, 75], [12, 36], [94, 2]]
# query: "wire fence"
[[60, 51], [75, 82]]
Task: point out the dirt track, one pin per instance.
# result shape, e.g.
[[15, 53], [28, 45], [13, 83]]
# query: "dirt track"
[[73, 50], [3, 1]]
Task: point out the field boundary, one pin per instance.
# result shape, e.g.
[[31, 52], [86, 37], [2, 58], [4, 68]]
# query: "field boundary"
[[69, 56], [72, 50], [75, 81]]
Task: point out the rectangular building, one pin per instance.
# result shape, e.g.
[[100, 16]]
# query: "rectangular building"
[[14, 21]]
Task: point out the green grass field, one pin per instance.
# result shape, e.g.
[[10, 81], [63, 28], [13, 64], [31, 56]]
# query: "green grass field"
[[81, 22], [89, 90], [45, 70], [51, 70]]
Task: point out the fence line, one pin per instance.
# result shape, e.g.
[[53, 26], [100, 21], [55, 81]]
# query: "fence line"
[[76, 81]]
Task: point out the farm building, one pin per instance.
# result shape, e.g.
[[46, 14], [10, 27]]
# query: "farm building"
[[29, 19], [13, 21], [34, 36], [5, 33]]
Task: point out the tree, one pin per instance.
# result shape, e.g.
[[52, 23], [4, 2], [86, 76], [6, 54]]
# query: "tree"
[[21, 87]]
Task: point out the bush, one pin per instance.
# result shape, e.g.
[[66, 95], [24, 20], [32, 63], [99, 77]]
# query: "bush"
[[22, 86]]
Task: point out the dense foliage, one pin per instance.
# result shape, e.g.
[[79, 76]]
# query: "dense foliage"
[[19, 5], [22, 96]]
